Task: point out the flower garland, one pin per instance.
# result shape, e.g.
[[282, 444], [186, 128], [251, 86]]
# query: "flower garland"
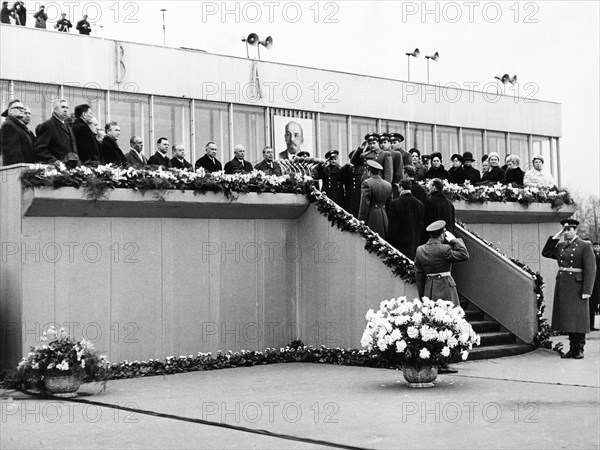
[[542, 337], [506, 193], [97, 181]]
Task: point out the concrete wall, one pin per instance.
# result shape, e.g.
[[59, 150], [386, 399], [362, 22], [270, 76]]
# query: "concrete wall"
[[225, 79], [150, 287]]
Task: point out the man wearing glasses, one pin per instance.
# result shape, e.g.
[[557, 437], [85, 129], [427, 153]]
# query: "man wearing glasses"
[[16, 141], [574, 283]]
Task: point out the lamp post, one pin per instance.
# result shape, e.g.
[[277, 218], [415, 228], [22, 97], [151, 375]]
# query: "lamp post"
[[414, 54], [435, 57], [164, 28]]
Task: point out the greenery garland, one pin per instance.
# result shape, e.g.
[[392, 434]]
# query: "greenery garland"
[[542, 337]]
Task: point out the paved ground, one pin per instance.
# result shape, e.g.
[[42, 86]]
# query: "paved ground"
[[529, 401]]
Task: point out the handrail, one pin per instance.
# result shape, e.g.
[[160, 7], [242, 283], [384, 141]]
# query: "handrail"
[[497, 286]]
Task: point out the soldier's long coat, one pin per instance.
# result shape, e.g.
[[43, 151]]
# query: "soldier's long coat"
[[570, 313], [376, 193], [436, 257]]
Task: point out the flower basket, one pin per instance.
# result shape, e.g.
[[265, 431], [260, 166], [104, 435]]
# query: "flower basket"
[[60, 364], [420, 377], [418, 335]]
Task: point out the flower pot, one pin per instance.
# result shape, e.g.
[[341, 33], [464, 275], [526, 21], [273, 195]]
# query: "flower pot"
[[61, 384], [420, 377]]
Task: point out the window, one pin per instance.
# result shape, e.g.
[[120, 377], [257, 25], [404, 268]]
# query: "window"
[[172, 120], [211, 123], [473, 142], [334, 136], [248, 130], [447, 142], [132, 112], [519, 146], [392, 126], [422, 137], [93, 97], [39, 98], [496, 142], [360, 127]]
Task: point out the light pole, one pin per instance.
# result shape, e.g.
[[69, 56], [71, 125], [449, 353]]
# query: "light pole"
[[414, 54], [164, 28], [435, 57]]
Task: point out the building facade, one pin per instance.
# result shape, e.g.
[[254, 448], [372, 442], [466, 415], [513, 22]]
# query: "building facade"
[[192, 97]]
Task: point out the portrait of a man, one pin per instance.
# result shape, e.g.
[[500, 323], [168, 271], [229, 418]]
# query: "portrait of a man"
[[297, 136]]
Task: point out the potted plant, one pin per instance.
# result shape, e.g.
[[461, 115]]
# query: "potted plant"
[[418, 336], [60, 364]]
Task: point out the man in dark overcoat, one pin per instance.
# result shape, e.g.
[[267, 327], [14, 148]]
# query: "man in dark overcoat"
[[268, 165], [438, 207], [87, 144], [574, 284], [16, 141], [330, 175], [209, 161], [405, 216], [373, 152], [376, 193], [110, 151], [238, 164], [55, 139], [352, 178]]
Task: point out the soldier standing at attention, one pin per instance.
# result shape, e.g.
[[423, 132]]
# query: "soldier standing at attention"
[[574, 284]]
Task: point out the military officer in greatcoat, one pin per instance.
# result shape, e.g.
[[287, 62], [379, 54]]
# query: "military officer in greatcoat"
[[331, 176], [352, 178], [574, 284], [433, 263], [376, 193], [373, 152]]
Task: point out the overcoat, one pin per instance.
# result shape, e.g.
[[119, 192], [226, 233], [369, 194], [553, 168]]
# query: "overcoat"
[[110, 152], [270, 168], [177, 164], [436, 257], [207, 163], [376, 192], [158, 159], [54, 141], [352, 176], [405, 216], [438, 207], [16, 142], [136, 160], [333, 186], [570, 313], [87, 145]]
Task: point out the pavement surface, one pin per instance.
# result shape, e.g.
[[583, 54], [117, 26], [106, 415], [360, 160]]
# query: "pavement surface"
[[536, 400]]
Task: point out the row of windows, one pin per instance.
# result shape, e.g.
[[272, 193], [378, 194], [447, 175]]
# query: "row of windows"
[[193, 123]]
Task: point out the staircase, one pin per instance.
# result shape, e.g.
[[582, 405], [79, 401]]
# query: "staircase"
[[496, 341]]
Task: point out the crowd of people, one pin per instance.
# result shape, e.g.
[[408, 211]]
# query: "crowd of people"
[[17, 15]]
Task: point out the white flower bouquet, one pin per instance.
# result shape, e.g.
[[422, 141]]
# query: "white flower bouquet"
[[418, 333]]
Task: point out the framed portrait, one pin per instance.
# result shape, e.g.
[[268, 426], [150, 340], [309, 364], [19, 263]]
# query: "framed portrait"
[[291, 135]]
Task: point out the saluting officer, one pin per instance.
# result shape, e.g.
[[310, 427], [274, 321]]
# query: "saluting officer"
[[574, 284], [373, 152]]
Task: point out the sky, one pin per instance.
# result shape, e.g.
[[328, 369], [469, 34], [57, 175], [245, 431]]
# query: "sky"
[[553, 44]]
